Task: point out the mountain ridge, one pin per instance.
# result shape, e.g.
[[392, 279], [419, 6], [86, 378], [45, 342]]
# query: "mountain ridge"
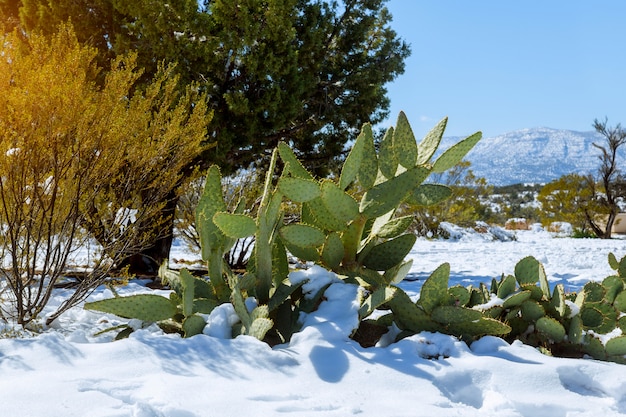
[[534, 155]]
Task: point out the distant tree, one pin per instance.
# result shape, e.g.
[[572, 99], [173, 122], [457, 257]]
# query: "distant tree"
[[567, 199], [610, 179], [308, 72]]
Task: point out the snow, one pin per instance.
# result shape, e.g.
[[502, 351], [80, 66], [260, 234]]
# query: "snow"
[[67, 371]]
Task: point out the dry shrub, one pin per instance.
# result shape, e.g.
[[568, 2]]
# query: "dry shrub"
[[76, 156]]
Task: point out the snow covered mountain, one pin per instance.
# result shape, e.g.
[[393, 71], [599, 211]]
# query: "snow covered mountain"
[[537, 155]]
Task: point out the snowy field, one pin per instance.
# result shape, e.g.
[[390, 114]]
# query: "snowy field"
[[66, 371]]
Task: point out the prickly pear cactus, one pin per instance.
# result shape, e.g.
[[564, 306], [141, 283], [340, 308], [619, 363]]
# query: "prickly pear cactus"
[[178, 313], [358, 232]]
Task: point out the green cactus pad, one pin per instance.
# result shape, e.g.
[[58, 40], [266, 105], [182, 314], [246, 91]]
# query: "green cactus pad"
[[616, 346], [392, 228], [532, 311], [404, 144], [493, 312], [506, 287], [296, 168], [428, 146], [575, 332], [594, 292], [188, 284], [535, 292], [527, 271], [260, 327], [513, 313], [210, 203], [459, 296], [396, 274], [389, 253], [144, 307], [613, 285], [333, 250], [374, 300], [429, 194], [202, 289], [551, 328], [342, 205], [456, 153], [434, 292], [621, 323], [557, 302], [453, 315], [408, 316], [389, 194], [620, 302], [387, 162], [302, 235], [591, 316], [352, 164], [477, 297], [282, 293], [471, 330], [235, 225], [317, 214], [622, 268], [308, 254], [193, 325], [516, 299], [203, 305], [369, 166], [613, 262], [599, 317], [594, 347], [299, 190]]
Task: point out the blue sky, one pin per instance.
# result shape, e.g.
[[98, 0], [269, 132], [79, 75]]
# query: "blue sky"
[[499, 66]]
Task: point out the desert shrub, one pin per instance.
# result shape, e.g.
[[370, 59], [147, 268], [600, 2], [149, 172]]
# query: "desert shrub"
[[567, 199], [80, 159], [464, 207]]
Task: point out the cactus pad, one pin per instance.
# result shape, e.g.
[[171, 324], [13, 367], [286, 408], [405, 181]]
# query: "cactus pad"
[[404, 145], [342, 205], [456, 153], [428, 146], [429, 194], [616, 346], [434, 292], [144, 307], [389, 253], [551, 328], [298, 189]]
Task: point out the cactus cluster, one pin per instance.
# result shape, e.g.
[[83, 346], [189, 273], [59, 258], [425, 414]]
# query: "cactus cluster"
[[179, 313], [559, 323], [279, 302], [350, 225], [439, 308]]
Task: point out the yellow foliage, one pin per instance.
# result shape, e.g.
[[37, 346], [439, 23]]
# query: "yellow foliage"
[[76, 154]]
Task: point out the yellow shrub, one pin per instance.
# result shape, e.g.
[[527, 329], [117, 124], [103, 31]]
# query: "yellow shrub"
[[76, 155]]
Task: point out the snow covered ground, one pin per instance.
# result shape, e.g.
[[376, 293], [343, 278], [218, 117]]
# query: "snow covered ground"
[[66, 371]]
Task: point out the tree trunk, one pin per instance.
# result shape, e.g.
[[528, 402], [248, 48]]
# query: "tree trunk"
[[147, 261], [609, 224]]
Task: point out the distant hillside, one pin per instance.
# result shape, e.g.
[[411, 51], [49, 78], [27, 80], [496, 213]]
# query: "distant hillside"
[[537, 155]]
